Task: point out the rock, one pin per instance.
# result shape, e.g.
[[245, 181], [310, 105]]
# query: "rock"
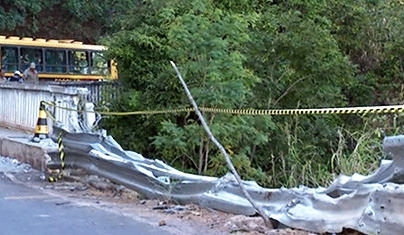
[[246, 224], [162, 223]]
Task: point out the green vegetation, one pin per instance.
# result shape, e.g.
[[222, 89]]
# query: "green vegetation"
[[244, 54]]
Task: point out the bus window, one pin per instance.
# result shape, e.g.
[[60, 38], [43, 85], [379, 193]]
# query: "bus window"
[[99, 64], [78, 61], [55, 61], [9, 59], [3, 58], [72, 62], [29, 55]]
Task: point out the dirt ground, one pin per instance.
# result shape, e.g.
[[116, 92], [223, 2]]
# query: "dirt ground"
[[91, 190]]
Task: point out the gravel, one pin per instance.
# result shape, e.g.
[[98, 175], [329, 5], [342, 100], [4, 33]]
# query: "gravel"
[[12, 165]]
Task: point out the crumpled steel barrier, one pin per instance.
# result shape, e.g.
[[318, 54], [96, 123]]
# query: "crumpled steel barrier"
[[369, 204]]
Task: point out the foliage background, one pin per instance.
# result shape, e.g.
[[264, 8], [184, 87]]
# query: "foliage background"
[[242, 54]]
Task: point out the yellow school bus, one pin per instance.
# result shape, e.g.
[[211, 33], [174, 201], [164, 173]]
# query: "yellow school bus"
[[56, 60]]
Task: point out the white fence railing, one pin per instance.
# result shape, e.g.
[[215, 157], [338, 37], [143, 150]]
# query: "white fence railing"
[[20, 103]]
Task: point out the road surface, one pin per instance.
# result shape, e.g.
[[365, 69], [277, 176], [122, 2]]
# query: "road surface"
[[25, 210]]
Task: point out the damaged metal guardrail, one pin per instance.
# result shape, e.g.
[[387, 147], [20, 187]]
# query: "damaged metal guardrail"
[[370, 204]]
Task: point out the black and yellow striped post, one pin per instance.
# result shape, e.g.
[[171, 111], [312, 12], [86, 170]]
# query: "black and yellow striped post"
[[54, 175], [61, 150], [41, 130], [57, 174]]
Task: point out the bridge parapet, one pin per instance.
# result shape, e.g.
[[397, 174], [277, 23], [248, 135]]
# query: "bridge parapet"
[[19, 104]]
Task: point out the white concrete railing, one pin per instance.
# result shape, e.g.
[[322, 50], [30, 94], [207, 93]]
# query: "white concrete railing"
[[20, 103]]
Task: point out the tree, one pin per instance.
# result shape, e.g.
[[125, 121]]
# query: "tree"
[[208, 44], [59, 19], [270, 55], [14, 13], [300, 66]]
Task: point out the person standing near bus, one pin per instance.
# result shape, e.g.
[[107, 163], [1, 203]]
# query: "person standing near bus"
[[17, 77], [31, 74]]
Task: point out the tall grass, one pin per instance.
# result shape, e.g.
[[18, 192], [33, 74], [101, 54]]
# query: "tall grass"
[[359, 151], [301, 164], [365, 156]]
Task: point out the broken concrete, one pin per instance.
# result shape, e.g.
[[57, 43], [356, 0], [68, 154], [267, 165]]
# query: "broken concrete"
[[17, 144]]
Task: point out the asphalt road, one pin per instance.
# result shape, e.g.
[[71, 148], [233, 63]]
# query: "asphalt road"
[[25, 210]]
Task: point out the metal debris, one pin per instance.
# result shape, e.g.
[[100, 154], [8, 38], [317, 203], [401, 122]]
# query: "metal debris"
[[369, 204]]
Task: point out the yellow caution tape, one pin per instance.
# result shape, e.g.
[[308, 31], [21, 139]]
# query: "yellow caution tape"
[[348, 110], [268, 112]]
